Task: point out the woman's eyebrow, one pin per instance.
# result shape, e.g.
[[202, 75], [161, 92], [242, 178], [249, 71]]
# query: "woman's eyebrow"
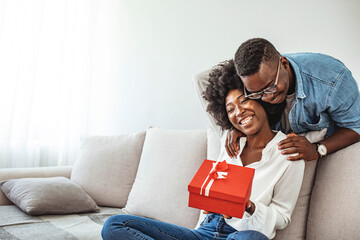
[[236, 99]]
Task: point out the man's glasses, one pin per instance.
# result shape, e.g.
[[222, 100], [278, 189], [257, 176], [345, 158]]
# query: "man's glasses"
[[269, 90]]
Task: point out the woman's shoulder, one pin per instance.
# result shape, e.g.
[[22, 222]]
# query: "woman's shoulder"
[[272, 147], [274, 153]]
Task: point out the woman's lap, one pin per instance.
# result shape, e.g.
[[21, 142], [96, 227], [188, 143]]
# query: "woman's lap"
[[247, 235], [135, 228]]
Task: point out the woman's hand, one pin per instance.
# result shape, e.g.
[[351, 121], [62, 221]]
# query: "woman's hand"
[[300, 145], [232, 142], [250, 207]]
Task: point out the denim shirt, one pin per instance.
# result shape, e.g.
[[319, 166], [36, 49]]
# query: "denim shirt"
[[326, 94]]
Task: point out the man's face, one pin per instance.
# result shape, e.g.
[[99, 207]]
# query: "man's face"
[[265, 78]]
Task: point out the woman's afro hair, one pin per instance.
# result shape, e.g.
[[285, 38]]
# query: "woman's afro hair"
[[224, 78]]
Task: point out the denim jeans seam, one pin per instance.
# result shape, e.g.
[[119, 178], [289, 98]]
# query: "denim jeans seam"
[[114, 236], [136, 233], [111, 231], [219, 224], [232, 237], [157, 230]]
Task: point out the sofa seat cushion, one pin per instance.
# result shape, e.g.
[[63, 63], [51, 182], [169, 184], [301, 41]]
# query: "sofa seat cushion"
[[15, 224]]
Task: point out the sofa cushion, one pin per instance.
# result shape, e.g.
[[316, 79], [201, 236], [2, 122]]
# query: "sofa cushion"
[[107, 165], [31, 172], [334, 206], [16, 225], [56, 195], [297, 228], [213, 144], [169, 160]]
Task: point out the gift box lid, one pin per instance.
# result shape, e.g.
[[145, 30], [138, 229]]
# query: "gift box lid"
[[235, 187]]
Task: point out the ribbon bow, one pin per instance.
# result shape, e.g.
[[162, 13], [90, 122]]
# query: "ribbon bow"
[[218, 171]]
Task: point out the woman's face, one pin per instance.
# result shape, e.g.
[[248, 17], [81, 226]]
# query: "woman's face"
[[246, 115]]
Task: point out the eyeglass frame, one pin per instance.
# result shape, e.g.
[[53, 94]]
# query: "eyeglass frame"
[[261, 93]]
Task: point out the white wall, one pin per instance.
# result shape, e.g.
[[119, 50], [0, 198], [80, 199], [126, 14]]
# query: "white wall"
[[162, 43]]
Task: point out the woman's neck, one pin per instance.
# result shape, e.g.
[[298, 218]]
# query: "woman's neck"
[[252, 152], [259, 140]]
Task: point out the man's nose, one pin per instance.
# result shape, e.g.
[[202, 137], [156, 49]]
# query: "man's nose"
[[267, 97]]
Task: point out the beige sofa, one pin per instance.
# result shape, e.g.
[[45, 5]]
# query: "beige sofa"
[[147, 174]]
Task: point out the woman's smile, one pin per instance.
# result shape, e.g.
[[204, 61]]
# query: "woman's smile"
[[247, 120]]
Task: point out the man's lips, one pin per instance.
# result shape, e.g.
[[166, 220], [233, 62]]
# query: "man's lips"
[[275, 100]]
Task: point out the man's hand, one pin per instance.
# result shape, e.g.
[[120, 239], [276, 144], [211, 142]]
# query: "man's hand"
[[232, 142], [225, 216], [300, 145]]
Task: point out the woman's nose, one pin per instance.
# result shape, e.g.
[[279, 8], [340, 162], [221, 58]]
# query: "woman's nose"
[[239, 110]]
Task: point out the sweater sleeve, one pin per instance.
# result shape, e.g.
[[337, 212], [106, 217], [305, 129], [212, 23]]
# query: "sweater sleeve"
[[268, 218], [201, 82]]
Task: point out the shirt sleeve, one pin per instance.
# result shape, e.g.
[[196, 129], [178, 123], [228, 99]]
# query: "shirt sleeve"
[[344, 102], [268, 218], [201, 82]]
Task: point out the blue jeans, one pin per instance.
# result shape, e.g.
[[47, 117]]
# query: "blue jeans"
[[135, 228]]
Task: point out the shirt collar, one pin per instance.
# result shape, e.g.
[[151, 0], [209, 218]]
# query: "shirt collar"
[[299, 87], [266, 152]]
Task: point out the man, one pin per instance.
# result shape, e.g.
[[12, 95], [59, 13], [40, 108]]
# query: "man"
[[320, 92]]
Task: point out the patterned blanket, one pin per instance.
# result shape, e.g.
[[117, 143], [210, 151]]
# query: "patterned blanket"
[[15, 224]]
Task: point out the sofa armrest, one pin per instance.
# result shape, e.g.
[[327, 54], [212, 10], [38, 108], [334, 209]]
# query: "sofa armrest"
[[37, 172]]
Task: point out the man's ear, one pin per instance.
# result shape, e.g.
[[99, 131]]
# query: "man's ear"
[[284, 62]]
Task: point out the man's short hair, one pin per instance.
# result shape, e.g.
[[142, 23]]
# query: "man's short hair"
[[252, 53]]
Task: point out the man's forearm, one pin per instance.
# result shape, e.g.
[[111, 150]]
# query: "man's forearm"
[[341, 138]]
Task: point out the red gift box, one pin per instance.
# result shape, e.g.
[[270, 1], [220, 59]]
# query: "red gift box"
[[220, 187]]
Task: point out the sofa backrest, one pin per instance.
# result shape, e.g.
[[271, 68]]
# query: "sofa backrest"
[[334, 205]]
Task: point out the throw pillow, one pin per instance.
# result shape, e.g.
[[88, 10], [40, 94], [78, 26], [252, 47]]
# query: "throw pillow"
[[213, 144], [56, 195], [107, 165], [169, 160]]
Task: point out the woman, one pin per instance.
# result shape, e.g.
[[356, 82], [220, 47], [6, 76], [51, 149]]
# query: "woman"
[[276, 183]]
